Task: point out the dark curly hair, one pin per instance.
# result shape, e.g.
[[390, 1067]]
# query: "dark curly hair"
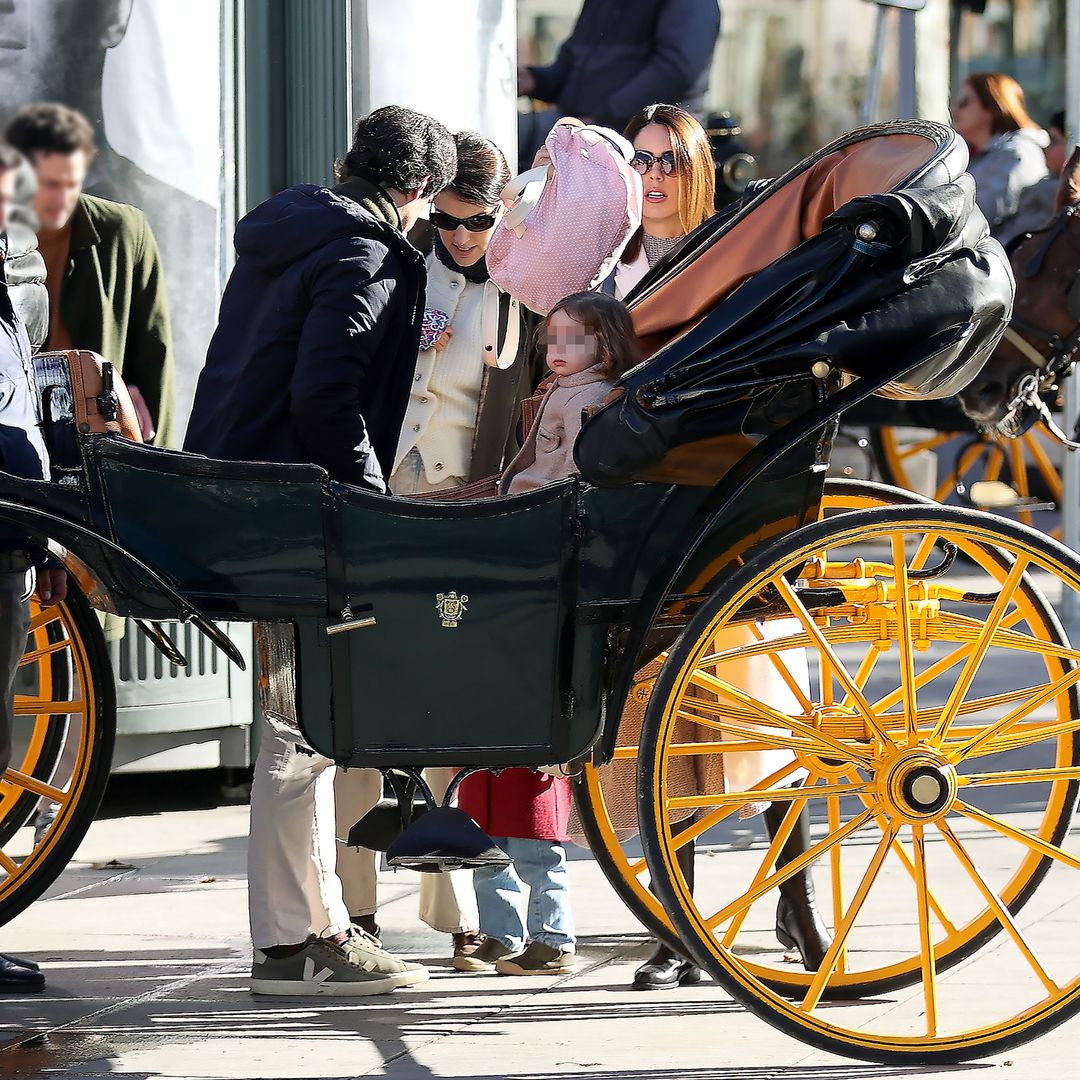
[[402, 149], [482, 171], [47, 127]]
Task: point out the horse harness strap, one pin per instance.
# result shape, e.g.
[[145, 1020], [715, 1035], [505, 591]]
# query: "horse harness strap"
[[1023, 346]]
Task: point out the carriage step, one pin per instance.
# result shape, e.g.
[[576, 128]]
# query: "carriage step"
[[445, 838]]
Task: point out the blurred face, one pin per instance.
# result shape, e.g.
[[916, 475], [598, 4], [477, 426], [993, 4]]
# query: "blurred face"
[[571, 347], [7, 196], [663, 193], [1055, 152], [971, 119], [60, 179], [464, 226]]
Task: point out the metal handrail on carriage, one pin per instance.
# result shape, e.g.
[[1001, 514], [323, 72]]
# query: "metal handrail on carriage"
[[689, 540]]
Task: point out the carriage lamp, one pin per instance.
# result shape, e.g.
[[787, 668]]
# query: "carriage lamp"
[[735, 165]]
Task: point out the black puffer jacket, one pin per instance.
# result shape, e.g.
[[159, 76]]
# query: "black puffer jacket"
[[317, 336]]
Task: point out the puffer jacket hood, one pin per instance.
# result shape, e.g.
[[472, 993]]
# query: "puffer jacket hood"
[[302, 219]]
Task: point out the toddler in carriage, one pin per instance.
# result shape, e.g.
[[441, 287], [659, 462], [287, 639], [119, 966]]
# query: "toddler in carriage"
[[589, 342], [525, 907]]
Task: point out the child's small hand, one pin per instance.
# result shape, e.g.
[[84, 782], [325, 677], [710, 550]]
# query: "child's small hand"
[[443, 339]]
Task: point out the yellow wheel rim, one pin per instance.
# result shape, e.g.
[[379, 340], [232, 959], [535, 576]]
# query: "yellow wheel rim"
[[907, 743], [56, 719]]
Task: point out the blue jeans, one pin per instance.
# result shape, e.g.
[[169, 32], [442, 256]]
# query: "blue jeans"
[[529, 900]]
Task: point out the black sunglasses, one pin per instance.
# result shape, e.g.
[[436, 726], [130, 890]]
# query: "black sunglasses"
[[643, 161], [476, 223]]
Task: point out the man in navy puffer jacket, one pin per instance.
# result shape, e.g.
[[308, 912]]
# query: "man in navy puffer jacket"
[[319, 326], [312, 361]]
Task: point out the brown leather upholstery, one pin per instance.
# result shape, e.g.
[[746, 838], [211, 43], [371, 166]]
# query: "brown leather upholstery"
[[784, 220], [87, 383]]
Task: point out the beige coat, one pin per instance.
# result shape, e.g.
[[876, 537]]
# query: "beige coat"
[[548, 453]]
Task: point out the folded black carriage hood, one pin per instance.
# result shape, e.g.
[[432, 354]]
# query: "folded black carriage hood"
[[905, 285]]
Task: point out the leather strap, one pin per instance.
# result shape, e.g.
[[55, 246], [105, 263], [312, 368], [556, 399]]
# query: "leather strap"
[[1023, 346], [495, 303]]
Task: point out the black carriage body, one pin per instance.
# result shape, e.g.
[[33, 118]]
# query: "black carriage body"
[[507, 631]]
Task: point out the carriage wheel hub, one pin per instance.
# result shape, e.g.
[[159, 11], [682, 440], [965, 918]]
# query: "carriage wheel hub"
[[917, 786]]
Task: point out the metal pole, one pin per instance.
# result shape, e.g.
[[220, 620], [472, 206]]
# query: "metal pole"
[[1070, 509], [873, 83], [907, 98]]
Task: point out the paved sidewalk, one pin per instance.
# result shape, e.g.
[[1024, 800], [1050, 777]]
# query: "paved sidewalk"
[[144, 943]]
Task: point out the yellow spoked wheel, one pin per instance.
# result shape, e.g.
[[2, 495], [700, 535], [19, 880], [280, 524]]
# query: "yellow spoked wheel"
[[612, 834], [1018, 477], [65, 722], [937, 738]]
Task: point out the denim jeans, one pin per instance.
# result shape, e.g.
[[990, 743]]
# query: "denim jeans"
[[529, 900]]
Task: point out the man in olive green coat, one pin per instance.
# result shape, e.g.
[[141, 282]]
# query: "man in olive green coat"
[[106, 286]]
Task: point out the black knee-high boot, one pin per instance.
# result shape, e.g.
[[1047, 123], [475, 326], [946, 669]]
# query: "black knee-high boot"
[[798, 922], [666, 969]]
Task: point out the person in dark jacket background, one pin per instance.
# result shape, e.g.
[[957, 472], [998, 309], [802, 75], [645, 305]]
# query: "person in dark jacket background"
[[312, 361], [22, 453], [621, 56]]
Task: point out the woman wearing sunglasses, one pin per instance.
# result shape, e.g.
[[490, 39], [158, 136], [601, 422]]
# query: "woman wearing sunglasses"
[[459, 426], [672, 154]]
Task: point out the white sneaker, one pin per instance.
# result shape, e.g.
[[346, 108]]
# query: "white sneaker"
[[323, 968]]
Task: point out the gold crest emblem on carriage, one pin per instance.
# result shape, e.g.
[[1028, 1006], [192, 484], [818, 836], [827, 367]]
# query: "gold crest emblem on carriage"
[[451, 607]]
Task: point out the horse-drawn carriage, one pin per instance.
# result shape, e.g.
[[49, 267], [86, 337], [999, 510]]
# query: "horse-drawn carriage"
[[698, 540]]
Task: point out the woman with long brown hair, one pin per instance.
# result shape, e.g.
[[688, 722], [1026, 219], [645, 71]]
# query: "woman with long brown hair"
[[1007, 146], [672, 154]]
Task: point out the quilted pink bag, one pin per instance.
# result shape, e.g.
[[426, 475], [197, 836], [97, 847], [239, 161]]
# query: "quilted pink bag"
[[568, 223]]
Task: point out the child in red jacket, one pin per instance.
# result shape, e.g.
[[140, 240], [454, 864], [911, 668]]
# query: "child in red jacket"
[[524, 907]]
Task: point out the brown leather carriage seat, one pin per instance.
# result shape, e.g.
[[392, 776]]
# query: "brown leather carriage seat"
[[786, 217]]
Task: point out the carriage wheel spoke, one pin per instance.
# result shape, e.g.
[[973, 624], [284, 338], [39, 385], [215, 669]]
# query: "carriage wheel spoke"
[[908, 864], [843, 676], [940, 439], [905, 643], [783, 670], [844, 926], [811, 855], [38, 706], [8, 864], [32, 784], [926, 938], [1001, 912], [1037, 732], [1025, 776], [923, 551], [787, 794], [44, 617], [815, 746], [776, 846], [773, 717], [1044, 465], [32, 656], [1021, 837], [836, 872], [939, 667], [626, 753], [978, 653]]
